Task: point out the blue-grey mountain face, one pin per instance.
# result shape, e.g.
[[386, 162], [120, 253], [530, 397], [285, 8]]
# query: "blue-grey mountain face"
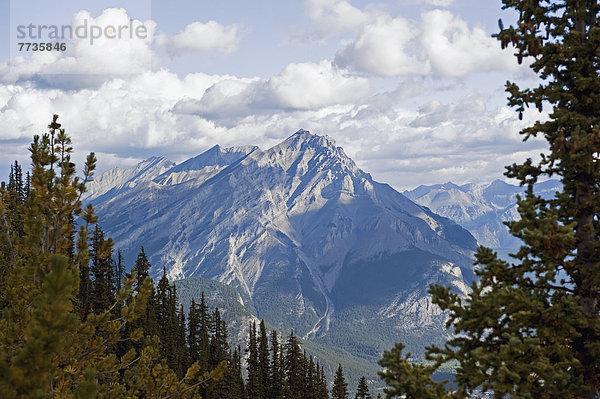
[[314, 241], [481, 209]]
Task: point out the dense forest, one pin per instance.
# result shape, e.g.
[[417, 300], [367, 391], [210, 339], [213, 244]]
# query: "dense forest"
[[77, 322]]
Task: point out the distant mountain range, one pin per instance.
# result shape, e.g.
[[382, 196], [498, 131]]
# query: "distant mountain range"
[[480, 208], [311, 241]]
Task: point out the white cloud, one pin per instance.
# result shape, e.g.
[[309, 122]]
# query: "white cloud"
[[102, 47], [311, 86], [337, 16], [386, 47], [440, 43], [440, 3], [299, 86], [114, 45], [455, 50], [201, 37]]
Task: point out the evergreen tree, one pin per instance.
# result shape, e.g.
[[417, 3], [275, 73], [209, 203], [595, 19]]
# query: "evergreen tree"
[[293, 368], [276, 378], [183, 360], [102, 295], [236, 379], [204, 338], [323, 392], [193, 332], [219, 356], [340, 387], [147, 322], [311, 390], [263, 357], [362, 391], [119, 272], [254, 382], [11, 224], [531, 327]]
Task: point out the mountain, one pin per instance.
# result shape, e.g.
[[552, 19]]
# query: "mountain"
[[480, 208], [116, 179], [312, 240]]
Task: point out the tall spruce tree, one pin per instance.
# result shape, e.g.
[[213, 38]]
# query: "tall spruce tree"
[[236, 379], [340, 386], [293, 368], [102, 268], [219, 356], [531, 327], [362, 391], [193, 337], [276, 378], [323, 392], [263, 357], [254, 382]]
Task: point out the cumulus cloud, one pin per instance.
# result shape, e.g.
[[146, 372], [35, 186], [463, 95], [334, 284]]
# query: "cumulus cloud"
[[102, 47], [440, 3], [310, 86], [387, 47], [337, 16], [440, 43], [114, 45], [299, 86], [200, 37]]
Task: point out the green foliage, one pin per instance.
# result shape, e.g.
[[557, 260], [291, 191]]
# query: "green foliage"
[[60, 329], [531, 329], [362, 391], [340, 387]]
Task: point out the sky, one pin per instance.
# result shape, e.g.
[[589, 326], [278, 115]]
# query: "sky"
[[413, 90]]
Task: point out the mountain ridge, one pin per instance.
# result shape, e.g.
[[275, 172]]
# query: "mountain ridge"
[[480, 208]]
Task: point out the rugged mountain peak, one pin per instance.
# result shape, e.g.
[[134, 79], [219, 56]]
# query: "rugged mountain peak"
[[214, 156], [305, 153], [117, 178]]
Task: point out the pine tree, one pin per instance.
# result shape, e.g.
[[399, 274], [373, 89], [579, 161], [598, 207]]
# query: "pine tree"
[[193, 332], [362, 391], [531, 327], [311, 390], [102, 292], [204, 338], [119, 272], [147, 322], [235, 376], [340, 387], [323, 392], [293, 368], [254, 382], [263, 357], [219, 356], [276, 378], [13, 198]]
